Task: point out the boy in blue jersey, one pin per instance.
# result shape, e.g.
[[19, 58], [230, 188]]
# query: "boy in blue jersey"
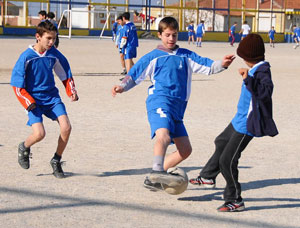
[[296, 36], [114, 30], [34, 85], [253, 119], [191, 32], [200, 33], [42, 15], [232, 33], [129, 41], [170, 70], [119, 34], [271, 35]]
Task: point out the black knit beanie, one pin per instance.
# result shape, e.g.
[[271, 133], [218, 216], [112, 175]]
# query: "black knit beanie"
[[252, 48]]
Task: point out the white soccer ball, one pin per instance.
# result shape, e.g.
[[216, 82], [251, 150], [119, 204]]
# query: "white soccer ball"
[[179, 185]]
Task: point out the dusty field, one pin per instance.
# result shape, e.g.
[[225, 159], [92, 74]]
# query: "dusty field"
[[110, 151]]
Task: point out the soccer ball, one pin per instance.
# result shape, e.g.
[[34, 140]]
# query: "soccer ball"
[[179, 185]]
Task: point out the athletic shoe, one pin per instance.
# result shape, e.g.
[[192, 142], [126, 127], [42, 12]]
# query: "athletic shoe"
[[206, 183], [152, 186], [23, 156], [57, 170], [232, 206], [124, 72]]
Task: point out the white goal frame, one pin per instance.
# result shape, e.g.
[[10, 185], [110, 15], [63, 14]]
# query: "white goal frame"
[[69, 15]]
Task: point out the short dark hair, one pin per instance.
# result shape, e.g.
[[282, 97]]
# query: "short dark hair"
[[43, 13], [126, 15], [45, 26], [120, 18], [51, 15], [168, 22], [245, 22]]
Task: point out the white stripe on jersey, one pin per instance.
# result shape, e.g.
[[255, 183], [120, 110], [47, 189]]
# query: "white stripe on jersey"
[[60, 71]]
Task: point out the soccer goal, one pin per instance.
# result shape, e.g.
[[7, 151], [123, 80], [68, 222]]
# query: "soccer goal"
[[83, 18]]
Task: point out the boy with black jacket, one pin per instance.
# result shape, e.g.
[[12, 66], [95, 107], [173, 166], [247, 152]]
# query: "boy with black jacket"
[[253, 119]]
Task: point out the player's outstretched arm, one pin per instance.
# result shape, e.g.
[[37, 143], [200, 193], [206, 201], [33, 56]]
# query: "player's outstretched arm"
[[227, 60]]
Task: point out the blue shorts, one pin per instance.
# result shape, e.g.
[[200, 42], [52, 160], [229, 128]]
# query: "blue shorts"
[[160, 118], [52, 111], [199, 35], [271, 37], [130, 53], [191, 33]]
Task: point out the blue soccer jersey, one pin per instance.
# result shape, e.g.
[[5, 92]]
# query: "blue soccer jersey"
[[119, 35], [272, 34], [191, 30], [232, 30], [171, 75], [130, 34], [34, 72], [200, 29], [244, 106]]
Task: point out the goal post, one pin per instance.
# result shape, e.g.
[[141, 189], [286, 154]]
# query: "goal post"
[[82, 18]]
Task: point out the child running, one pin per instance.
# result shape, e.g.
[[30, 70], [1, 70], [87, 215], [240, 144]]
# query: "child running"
[[191, 32], [33, 83], [271, 35], [170, 70], [253, 119], [200, 33]]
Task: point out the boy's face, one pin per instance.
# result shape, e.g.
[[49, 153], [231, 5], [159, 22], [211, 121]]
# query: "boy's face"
[[42, 17], [120, 22], [46, 41], [169, 38]]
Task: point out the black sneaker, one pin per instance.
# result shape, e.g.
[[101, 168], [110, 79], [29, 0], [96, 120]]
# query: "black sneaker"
[[23, 156], [206, 183], [124, 72], [152, 186], [232, 206], [57, 170]]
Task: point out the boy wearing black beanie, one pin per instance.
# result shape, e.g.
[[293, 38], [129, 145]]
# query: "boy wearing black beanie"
[[253, 119]]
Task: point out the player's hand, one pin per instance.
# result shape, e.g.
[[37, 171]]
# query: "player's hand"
[[31, 107], [116, 89], [243, 72], [74, 97], [227, 60]]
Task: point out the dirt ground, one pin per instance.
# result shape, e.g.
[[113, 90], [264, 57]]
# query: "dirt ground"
[[110, 151]]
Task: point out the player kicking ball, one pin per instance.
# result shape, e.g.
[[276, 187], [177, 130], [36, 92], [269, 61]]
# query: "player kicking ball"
[[170, 70], [34, 85]]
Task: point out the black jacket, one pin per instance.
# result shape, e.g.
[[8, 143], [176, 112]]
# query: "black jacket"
[[260, 120]]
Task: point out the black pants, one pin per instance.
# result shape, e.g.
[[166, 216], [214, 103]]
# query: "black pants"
[[229, 146]]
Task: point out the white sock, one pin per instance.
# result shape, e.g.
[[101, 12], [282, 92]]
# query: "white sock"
[[158, 163]]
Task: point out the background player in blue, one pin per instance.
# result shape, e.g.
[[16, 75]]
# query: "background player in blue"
[[271, 35], [114, 30], [129, 41], [296, 36], [50, 17], [254, 117], [34, 85], [191, 32], [119, 35], [232, 33], [200, 33], [42, 15], [170, 70]]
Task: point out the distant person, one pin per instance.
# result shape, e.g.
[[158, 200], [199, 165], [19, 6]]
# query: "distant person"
[[42, 15], [50, 17], [296, 36], [191, 32], [200, 33], [271, 35], [33, 82], [245, 30], [119, 34], [129, 41], [232, 33], [114, 30]]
